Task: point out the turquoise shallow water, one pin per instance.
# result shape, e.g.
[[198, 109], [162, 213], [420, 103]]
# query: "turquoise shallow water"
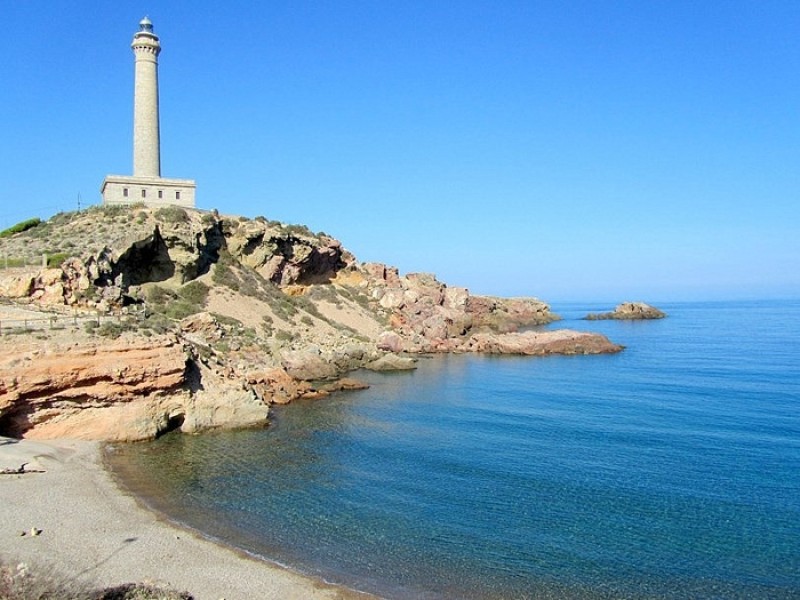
[[671, 470]]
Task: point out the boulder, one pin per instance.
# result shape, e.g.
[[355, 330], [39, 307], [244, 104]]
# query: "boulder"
[[309, 364], [392, 362], [390, 341], [16, 286]]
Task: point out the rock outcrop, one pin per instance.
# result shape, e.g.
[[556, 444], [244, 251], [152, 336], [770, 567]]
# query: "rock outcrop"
[[217, 317], [426, 315], [542, 343], [285, 255], [629, 311], [120, 391], [131, 389]]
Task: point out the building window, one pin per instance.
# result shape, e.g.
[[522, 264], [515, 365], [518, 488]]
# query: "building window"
[[177, 195], [160, 194], [125, 192], [144, 193]]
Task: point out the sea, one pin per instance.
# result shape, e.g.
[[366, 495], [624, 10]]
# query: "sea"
[[668, 471]]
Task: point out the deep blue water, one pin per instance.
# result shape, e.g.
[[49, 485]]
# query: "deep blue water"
[[670, 470]]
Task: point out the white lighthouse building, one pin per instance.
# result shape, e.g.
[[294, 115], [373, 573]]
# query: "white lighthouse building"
[[146, 185]]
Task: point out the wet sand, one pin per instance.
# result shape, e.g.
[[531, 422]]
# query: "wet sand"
[[93, 531]]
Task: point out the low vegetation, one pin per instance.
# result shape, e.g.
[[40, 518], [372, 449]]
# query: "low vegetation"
[[187, 300], [20, 227], [20, 582], [56, 259], [172, 214]]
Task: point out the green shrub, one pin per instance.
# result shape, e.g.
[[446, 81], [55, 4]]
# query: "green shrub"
[[156, 322], [13, 262], [112, 329], [224, 271], [303, 303], [114, 210], [57, 259], [63, 218], [227, 321], [266, 324], [158, 295], [20, 227], [180, 309], [188, 300], [324, 292], [299, 230], [172, 214], [283, 335], [363, 300], [194, 292]]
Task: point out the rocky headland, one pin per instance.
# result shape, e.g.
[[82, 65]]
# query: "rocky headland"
[[140, 320], [629, 311]]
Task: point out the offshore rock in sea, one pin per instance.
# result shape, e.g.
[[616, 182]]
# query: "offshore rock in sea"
[[629, 311]]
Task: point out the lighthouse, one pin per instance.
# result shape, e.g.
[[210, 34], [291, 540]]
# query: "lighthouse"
[[146, 185], [146, 139]]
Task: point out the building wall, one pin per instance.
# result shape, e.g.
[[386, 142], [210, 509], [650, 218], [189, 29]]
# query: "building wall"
[[150, 191]]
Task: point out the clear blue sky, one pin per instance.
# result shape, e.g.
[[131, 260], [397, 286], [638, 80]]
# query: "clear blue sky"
[[606, 150]]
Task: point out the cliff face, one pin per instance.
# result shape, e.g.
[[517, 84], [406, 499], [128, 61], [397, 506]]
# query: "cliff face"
[[123, 390], [218, 317]]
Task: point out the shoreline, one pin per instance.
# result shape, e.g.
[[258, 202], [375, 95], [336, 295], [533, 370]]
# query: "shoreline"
[[92, 530]]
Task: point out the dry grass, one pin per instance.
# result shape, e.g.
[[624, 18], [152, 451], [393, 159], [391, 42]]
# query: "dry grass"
[[20, 582]]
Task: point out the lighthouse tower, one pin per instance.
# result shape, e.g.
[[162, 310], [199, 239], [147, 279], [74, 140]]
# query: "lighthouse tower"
[[146, 185], [146, 142]]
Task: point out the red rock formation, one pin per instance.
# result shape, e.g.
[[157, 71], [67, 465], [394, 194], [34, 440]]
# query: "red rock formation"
[[120, 390], [426, 315], [539, 343], [629, 311], [42, 386]]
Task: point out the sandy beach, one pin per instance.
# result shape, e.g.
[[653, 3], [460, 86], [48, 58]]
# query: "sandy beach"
[[91, 530]]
